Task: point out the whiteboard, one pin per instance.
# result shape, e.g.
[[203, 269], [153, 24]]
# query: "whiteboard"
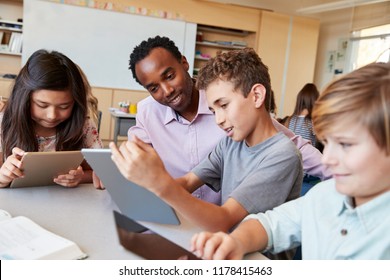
[[99, 41]]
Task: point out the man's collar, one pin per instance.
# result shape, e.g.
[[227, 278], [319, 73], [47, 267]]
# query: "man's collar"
[[203, 109], [170, 115]]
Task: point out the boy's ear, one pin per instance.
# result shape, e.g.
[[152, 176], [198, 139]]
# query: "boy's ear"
[[259, 94]]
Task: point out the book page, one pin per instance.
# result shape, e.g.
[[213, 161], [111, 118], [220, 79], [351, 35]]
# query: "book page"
[[23, 239], [4, 215]]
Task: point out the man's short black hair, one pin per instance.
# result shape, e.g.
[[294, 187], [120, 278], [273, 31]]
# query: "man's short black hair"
[[142, 50]]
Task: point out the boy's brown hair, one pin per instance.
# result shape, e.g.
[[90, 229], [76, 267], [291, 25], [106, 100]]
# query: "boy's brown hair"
[[243, 68]]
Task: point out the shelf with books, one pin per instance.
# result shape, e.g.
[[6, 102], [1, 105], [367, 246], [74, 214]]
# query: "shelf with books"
[[11, 25], [211, 39], [11, 37], [223, 45], [223, 30], [200, 57]]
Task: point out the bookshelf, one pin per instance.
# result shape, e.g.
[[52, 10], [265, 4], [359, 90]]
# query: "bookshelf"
[[11, 33], [219, 45], [211, 39]]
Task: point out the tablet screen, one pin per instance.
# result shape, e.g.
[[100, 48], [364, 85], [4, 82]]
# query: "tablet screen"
[[151, 246]]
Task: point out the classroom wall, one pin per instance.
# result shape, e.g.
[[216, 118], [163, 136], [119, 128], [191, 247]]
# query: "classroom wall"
[[203, 12], [11, 10], [288, 45], [334, 27]]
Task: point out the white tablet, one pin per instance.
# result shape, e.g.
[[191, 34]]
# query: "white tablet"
[[40, 168], [133, 200]]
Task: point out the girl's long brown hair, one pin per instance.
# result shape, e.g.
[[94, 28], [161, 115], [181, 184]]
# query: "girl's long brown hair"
[[50, 71]]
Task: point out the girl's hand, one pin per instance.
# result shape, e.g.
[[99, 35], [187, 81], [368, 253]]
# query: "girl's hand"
[[216, 246], [12, 167], [72, 179]]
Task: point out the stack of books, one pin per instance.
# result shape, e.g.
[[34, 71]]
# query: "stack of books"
[[11, 36], [15, 42]]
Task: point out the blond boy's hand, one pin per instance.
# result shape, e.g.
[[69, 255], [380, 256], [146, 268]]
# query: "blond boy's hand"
[[216, 246]]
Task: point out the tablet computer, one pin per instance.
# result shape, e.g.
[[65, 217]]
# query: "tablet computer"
[[132, 200], [144, 243], [40, 168]]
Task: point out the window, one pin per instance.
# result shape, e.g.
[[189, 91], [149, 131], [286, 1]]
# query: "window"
[[370, 45]]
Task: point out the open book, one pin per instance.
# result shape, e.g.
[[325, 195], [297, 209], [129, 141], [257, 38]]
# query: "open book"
[[23, 239]]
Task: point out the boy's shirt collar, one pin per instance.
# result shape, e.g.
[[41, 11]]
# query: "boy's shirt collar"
[[371, 213]]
